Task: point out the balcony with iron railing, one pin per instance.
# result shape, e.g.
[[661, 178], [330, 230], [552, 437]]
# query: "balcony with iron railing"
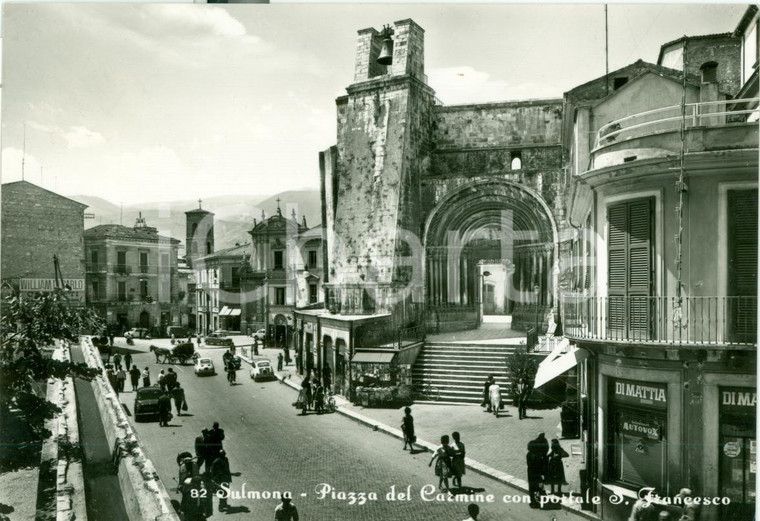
[[122, 269], [706, 123], [700, 321]]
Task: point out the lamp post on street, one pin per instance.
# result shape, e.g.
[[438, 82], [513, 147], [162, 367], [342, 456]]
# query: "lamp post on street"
[[536, 289]]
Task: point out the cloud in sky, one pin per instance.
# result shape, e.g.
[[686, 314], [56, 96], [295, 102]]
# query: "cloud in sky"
[[80, 137], [215, 20], [464, 84]]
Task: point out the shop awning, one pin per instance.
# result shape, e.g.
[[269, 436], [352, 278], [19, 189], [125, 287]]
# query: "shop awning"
[[234, 312], [563, 358], [224, 312], [373, 357]]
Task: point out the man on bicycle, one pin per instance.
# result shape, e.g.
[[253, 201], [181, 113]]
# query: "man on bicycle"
[[231, 371]]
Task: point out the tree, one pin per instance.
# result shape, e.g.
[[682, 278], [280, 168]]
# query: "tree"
[[521, 368], [27, 327]]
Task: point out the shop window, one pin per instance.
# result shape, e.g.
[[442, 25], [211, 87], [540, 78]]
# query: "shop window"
[[278, 260], [637, 434], [738, 451]]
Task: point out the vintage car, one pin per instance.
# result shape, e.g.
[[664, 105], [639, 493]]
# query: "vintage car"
[[137, 332], [260, 335], [262, 370], [204, 366], [218, 339], [146, 401]]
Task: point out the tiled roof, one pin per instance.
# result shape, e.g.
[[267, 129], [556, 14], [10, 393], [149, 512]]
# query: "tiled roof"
[[27, 184], [235, 251], [117, 231]]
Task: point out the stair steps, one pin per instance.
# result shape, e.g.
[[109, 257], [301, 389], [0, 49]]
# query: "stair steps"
[[459, 370]]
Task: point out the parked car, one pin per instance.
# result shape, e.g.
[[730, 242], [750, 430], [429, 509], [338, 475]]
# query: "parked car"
[[146, 401], [204, 366], [218, 339], [262, 370], [260, 335], [137, 332]]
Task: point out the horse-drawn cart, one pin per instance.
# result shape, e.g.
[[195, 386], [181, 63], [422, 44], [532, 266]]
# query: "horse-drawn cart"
[[179, 354]]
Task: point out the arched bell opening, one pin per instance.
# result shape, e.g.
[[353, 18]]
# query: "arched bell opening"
[[491, 251]]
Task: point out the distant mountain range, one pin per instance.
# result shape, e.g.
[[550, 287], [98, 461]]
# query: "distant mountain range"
[[233, 214]]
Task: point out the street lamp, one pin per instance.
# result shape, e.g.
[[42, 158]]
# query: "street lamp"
[[483, 276], [536, 289]]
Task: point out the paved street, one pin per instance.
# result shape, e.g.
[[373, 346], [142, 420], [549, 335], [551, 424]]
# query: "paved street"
[[272, 448]]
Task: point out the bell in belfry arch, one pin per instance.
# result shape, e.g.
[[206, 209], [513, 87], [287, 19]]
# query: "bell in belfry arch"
[[386, 52]]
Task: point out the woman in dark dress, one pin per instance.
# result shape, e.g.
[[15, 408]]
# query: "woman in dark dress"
[[407, 427], [555, 475], [457, 462]]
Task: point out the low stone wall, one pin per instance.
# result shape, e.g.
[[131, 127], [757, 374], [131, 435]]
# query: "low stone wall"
[[145, 497], [62, 453]]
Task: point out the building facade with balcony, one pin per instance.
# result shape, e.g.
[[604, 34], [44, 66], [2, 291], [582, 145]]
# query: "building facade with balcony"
[[131, 276], [285, 273], [219, 295], [661, 299]]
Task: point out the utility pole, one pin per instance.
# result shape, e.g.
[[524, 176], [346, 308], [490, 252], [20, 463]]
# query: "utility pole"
[[606, 53], [23, 154]]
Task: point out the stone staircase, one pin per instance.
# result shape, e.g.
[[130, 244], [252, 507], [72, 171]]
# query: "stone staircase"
[[458, 370]]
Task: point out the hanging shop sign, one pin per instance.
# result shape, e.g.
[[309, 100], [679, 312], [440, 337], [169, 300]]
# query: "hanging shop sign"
[[639, 393]]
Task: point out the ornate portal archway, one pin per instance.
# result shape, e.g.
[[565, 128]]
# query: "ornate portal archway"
[[491, 222]]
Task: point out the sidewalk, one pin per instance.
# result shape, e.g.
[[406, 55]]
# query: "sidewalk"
[[495, 446]]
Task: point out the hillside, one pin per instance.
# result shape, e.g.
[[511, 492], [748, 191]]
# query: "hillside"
[[233, 214]]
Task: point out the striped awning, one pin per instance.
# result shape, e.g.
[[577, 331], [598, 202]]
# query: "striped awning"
[[373, 357]]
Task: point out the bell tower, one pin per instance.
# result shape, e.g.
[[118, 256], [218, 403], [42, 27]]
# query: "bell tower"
[[199, 233], [371, 178]]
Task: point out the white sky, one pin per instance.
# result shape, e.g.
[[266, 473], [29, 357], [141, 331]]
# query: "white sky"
[[150, 102]]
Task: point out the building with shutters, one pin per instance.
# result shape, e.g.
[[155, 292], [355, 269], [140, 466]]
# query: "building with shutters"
[[661, 303], [219, 299], [132, 277]]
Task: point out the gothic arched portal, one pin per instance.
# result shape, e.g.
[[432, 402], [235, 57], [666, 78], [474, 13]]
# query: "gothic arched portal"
[[495, 232]]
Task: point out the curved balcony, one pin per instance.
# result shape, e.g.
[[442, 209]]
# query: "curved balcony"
[[712, 125]]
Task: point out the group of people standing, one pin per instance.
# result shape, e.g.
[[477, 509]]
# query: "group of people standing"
[[449, 462], [545, 467], [198, 487], [312, 396]]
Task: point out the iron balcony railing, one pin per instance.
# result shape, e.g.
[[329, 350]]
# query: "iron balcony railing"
[[395, 338], [666, 119], [123, 269], [661, 320]]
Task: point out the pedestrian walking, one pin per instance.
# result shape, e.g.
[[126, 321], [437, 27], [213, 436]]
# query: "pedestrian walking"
[[164, 410], [443, 456], [327, 375], [116, 360], [195, 498], [201, 449], [110, 339], [170, 380], [521, 398], [643, 509], [160, 380], [474, 511], [128, 361], [407, 427], [286, 355], [689, 508], [111, 375], [146, 377], [221, 476], [134, 376], [299, 363], [542, 449], [216, 437], [286, 511], [256, 347], [555, 473], [306, 389], [486, 393], [279, 361], [457, 461], [178, 394], [319, 398], [173, 340], [534, 476], [121, 379], [494, 395]]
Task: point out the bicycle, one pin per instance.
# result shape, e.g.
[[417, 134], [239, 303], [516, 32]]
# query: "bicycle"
[[427, 391]]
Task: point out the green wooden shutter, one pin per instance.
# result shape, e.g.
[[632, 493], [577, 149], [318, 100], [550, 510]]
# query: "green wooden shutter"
[[742, 264]]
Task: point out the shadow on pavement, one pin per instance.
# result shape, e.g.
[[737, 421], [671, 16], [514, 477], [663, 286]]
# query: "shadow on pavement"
[[236, 510], [465, 490]]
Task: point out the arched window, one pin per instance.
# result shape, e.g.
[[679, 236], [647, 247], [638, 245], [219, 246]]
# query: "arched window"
[[516, 161]]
